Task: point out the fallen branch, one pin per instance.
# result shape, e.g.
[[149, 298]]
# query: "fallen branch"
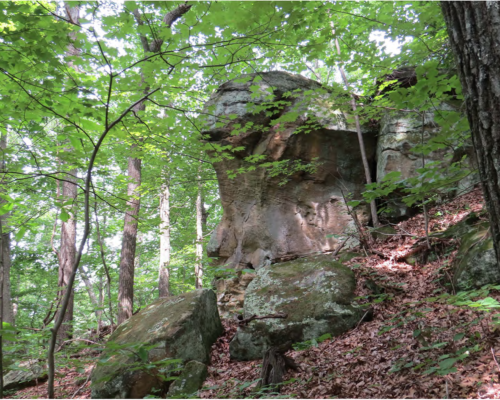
[[87, 381], [340, 246], [245, 321]]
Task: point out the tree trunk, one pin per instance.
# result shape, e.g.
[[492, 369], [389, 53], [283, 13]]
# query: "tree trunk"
[[474, 35], [67, 250], [126, 288], [90, 291], [1, 311], [164, 272], [366, 166], [67, 253], [129, 242], [198, 269], [7, 311]]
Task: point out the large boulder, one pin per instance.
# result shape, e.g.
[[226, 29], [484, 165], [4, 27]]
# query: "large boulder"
[[27, 373], [476, 263], [280, 117], [139, 353], [400, 133], [316, 294]]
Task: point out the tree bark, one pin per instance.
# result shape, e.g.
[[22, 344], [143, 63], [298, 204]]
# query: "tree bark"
[[1, 311], [366, 166], [90, 290], [198, 269], [126, 284], [165, 250], [67, 253], [474, 35], [7, 311], [67, 250], [129, 242]]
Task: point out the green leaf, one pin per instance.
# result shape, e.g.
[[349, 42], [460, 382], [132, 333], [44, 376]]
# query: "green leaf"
[[19, 235], [447, 363], [143, 354], [64, 216]]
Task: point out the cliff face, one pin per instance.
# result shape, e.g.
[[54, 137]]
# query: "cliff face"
[[265, 219]]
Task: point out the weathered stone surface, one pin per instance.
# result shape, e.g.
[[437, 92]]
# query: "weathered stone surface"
[[231, 293], [190, 380], [475, 264], [399, 134], [315, 292], [264, 221], [30, 372], [182, 327]]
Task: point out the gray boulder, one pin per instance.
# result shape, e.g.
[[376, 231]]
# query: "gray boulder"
[[268, 217], [190, 380], [476, 263], [28, 373], [140, 353], [317, 295], [400, 133]]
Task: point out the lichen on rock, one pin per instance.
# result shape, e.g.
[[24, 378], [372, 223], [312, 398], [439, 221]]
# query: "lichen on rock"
[[158, 339], [315, 292]]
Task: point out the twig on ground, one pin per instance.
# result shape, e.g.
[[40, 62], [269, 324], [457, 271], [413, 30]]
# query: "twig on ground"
[[340, 246], [251, 318], [87, 381]]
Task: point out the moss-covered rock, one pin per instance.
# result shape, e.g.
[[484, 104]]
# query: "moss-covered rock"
[[315, 292], [476, 263], [189, 381], [26, 374], [138, 353]]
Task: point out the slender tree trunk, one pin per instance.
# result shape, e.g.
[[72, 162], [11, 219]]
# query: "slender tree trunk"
[[1, 311], [67, 253], [126, 284], [67, 250], [198, 269], [165, 250], [106, 270], [90, 290], [368, 176], [7, 311], [129, 242], [474, 35]]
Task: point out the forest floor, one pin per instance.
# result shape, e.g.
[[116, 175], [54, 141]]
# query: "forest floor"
[[421, 343]]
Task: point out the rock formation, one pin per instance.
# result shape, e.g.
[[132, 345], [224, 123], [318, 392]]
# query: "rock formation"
[[315, 293], [475, 264], [399, 134], [141, 351], [276, 116]]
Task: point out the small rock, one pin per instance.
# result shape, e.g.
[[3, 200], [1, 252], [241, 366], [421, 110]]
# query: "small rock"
[[190, 380]]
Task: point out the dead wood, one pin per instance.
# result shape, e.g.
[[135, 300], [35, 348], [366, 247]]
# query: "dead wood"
[[245, 321], [274, 366]]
